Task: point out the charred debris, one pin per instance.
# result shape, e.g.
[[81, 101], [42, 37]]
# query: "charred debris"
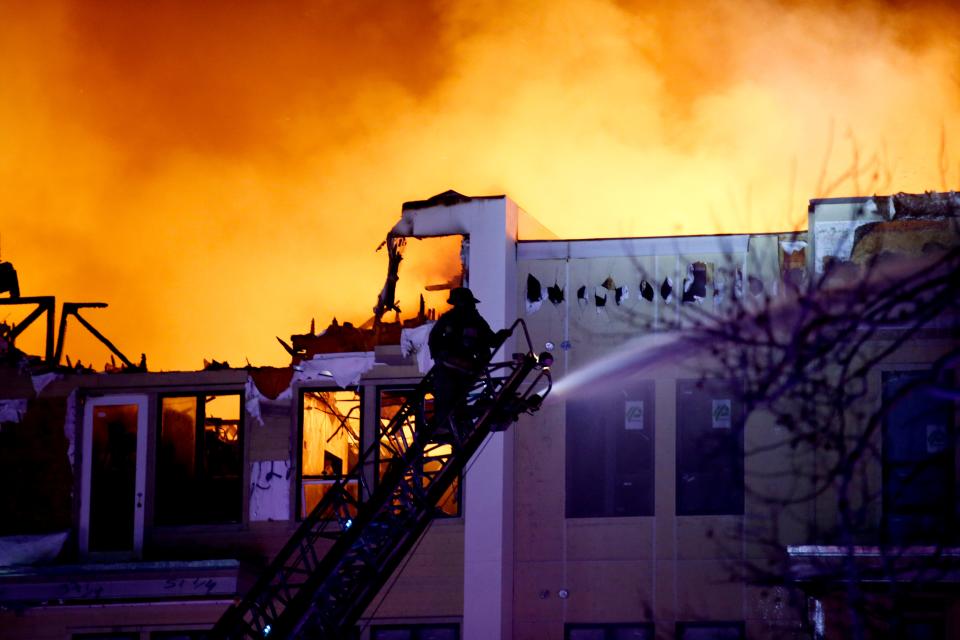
[[337, 337], [53, 353]]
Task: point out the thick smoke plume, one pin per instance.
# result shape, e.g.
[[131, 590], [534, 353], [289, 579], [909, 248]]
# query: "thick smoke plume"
[[221, 172]]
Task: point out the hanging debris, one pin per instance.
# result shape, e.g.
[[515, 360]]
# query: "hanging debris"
[[386, 300]]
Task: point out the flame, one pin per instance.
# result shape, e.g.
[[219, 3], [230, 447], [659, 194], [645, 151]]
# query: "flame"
[[221, 173]]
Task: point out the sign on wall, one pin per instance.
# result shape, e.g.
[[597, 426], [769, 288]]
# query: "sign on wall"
[[722, 412], [633, 415]]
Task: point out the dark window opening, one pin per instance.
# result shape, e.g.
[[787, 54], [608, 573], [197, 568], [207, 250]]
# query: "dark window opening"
[[919, 461], [710, 631], [415, 632], [330, 444], [113, 468], [610, 452], [646, 291], [699, 275], [609, 631], [666, 290], [200, 459], [709, 448], [389, 403], [555, 293], [534, 289]]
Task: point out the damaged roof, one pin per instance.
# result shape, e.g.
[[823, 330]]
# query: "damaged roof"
[[446, 199]]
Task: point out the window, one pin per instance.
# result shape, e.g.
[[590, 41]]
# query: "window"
[[609, 631], [709, 448], [610, 452], [918, 461], [152, 635], [200, 459], [330, 428], [415, 632], [389, 403], [697, 282], [710, 631]]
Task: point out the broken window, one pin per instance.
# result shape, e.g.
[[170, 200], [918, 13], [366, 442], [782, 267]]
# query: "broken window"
[[582, 296], [609, 631], [534, 294], [330, 443], [394, 443], [646, 291], [699, 274], [610, 452], [709, 448], [793, 262], [727, 287], [918, 461], [666, 290], [555, 293], [200, 459], [415, 632]]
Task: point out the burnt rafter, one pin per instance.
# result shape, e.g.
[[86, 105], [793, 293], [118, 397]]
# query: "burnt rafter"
[[73, 309], [53, 349], [346, 549], [44, 305], [386, 300]]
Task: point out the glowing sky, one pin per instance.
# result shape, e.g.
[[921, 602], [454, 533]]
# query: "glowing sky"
[[221, 172]]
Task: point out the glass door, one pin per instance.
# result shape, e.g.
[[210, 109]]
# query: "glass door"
[[113, 476]]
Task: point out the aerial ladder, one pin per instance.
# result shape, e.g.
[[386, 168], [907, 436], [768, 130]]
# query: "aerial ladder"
[[346, 549]]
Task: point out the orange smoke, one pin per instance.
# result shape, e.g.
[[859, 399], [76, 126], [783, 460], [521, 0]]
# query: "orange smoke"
[[221, 172]]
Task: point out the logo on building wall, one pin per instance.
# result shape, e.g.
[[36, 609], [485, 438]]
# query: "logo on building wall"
[[633, 415], [722, 414], [937, 438]]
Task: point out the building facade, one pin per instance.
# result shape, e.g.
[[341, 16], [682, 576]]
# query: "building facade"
[[650, 497]]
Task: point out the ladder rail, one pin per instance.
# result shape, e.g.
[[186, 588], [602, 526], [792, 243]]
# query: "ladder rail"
[[412, 529], [285, 596], [312, 528]]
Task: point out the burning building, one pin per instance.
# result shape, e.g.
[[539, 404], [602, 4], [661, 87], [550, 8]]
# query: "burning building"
[[652, 495]]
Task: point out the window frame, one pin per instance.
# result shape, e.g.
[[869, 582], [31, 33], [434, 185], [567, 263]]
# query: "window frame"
[[950, 460], [301, 391], [738, 625], [737, 432], [609, 445], [399, 386], [415, 629], [200, 396], [608, 628]]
